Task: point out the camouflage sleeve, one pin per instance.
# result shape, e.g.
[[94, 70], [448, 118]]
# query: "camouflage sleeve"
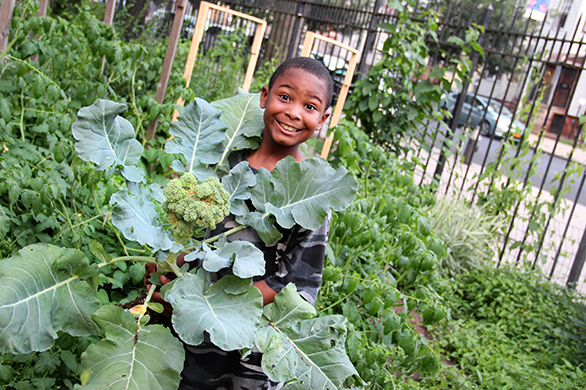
[[301, 261]]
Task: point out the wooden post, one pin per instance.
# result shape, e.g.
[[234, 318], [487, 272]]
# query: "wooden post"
[[43, 7], [310, 37], [198, 32], [6, 10], [168, 62], [109, 12]]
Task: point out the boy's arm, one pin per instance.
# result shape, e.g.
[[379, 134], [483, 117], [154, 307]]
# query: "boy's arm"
[[268, 294]]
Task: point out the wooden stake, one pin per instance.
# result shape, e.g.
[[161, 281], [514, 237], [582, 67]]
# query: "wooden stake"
[[310, 37], [6, 10], [202, 17], [168, 62]]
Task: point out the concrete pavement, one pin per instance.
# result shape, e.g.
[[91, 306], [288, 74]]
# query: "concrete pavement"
[[547, 145]]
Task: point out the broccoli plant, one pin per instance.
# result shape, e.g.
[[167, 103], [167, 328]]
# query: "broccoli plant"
[[46, 291], [194, 206]]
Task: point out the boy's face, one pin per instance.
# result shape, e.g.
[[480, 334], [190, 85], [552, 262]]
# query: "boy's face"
[[294, 107]]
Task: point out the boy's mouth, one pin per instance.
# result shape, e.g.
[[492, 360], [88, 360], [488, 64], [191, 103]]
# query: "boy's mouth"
[[289, 128]]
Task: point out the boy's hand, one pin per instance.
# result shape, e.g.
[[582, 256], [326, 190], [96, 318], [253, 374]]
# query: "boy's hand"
[[151, 269]]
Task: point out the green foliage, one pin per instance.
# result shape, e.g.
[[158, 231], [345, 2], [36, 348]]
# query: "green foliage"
[[136, 211], [381, 270], [512, 328], [43, 288], [47, 194], [220, 70], [467, 232], [129, 351], [192, 206], [399, 93]]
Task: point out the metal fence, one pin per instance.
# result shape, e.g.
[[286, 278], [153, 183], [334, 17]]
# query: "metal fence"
[[531, 75]]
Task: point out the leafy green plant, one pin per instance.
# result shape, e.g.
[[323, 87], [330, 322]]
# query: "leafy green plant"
[[47, 194], [468, 233], [398, 94], [62, 290], [381, 270], [511, 328]]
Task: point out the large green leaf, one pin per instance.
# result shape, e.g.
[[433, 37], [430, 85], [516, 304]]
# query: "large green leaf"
[[263, 223], [244, 118], [299, 193], [42, 291], [247, 260], [307, 353], [105, 138], [238, 184], [138, 219], [149, 357], [230, 310], [198, 135]]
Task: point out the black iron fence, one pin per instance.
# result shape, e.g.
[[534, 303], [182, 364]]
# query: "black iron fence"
[[529, 76]]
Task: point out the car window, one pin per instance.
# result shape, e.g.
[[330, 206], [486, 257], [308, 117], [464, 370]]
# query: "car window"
[[470, 99]]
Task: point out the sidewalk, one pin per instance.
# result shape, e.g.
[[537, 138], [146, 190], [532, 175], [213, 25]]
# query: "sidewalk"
[[562, 150]]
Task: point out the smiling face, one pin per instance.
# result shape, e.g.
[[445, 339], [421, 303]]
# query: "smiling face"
[[294, 108]]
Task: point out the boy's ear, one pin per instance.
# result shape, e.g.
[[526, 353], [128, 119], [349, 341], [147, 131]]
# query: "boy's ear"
[[324, 117], [264, 94]]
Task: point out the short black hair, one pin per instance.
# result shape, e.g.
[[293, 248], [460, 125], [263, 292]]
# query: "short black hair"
[[312, 66]]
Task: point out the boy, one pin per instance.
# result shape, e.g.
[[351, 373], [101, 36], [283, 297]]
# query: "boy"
[[296, 104]]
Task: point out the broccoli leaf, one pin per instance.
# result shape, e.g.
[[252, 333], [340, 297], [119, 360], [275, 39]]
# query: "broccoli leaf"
[[248, 259], [230, 315], [138, 219], [105, 138], [238, 184], [42, 291], [131, 357], [198, 135], [306, 352], [299, 193], [244, 118]]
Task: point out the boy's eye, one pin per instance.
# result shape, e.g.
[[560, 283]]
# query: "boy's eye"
[[310, 107], [284, 97]]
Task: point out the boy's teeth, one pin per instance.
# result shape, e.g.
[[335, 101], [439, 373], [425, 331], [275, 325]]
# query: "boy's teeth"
[[288, 128]]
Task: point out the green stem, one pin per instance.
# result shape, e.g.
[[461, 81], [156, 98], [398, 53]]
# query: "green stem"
[[66, 216], [227, 233], [40, 73], [21, 116], [10, 45], [144, 259], [336, 303]]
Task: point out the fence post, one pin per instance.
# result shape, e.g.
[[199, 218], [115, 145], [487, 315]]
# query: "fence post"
[[578, 265], [6, 10], [296, 35], [168, 62], [370, 37], [439, 169]]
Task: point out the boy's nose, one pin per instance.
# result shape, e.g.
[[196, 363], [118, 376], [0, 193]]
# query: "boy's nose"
[[294, 111]]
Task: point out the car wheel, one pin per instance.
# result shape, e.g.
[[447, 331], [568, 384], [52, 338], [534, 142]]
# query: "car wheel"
[[485, 129]]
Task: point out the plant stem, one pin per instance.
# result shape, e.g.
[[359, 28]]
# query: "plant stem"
[[21, 116], [66, 216], [227, 233], [144, 259], [10, 45]]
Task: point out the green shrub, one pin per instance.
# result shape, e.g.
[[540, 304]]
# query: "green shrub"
[[468, 233], [512, 328]]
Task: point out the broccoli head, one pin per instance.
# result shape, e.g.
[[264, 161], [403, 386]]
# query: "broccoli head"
[[194, 206]]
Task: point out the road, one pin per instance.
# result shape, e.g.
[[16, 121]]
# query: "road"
[[541, 171]]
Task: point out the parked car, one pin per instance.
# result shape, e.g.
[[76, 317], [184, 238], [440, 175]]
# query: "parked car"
[[491, 117]]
